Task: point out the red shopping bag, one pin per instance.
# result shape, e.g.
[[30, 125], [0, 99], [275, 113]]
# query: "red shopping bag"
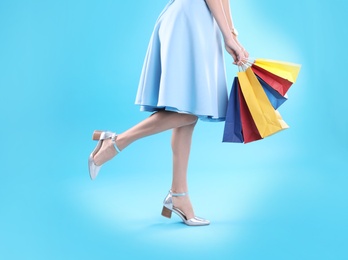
[[267, 120], [249, 129], [279, 84]]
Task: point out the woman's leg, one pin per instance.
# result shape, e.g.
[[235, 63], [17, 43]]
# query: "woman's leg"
[[181, 145], [156, 123]]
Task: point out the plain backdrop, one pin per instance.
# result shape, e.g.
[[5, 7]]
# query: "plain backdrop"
[[69, 67]]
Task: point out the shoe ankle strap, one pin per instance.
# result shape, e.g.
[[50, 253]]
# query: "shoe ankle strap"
[[113, 138], [178, 194]]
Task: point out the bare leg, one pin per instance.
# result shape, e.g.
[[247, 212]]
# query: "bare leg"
[[181, 145], [156, 123]]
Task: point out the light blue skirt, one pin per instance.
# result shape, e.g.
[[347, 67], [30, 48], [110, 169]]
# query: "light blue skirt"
[[184, 67]]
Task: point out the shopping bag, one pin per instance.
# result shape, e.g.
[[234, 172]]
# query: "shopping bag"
[[250, 132], [277, 83], [274, 96], [285, 70], [233, 123], [260, 89], [266, 119]]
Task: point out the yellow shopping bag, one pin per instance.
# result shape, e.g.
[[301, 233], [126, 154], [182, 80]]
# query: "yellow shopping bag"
[[285, 70], [267, 120]]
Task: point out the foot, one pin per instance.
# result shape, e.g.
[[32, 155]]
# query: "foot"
[[184, 204], [106, 152]]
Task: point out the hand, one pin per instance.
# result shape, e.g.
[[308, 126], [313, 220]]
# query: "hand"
[[246, 54], [238, 53]]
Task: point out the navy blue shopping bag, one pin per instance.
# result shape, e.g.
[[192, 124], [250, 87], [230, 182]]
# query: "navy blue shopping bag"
[[233, 124]]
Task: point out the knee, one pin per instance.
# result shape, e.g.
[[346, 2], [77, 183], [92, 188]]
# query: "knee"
[[189, 119]]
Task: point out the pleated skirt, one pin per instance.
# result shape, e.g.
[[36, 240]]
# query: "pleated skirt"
[[184, 68]]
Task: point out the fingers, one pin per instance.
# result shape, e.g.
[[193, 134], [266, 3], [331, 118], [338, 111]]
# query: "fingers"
[[239, 55], [237, 59], [232, 53], [246, 54], [241, 58]]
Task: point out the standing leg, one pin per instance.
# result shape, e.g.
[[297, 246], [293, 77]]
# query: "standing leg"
[[181, 146]]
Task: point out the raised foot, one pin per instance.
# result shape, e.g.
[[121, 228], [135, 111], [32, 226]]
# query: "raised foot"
[[106, 152]]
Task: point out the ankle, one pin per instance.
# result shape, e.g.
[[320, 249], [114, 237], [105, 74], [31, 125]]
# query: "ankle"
[[179, 190], [121, 141]]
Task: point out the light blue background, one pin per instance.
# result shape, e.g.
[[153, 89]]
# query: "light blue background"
[[69, 67]]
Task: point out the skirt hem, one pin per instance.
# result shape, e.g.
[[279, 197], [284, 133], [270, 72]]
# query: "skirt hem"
[[208, 118]]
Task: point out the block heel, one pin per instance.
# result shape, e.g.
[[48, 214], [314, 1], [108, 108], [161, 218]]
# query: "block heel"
[[166, 212], [96, 135]]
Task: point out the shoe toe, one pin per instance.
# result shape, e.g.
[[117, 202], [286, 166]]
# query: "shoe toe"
[[93, 169], [197, 221]]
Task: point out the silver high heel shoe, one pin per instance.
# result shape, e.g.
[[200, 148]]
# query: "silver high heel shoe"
[[100, 136], [168, 208]]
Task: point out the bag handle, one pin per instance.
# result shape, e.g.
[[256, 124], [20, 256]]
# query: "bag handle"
[[246, 64]]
